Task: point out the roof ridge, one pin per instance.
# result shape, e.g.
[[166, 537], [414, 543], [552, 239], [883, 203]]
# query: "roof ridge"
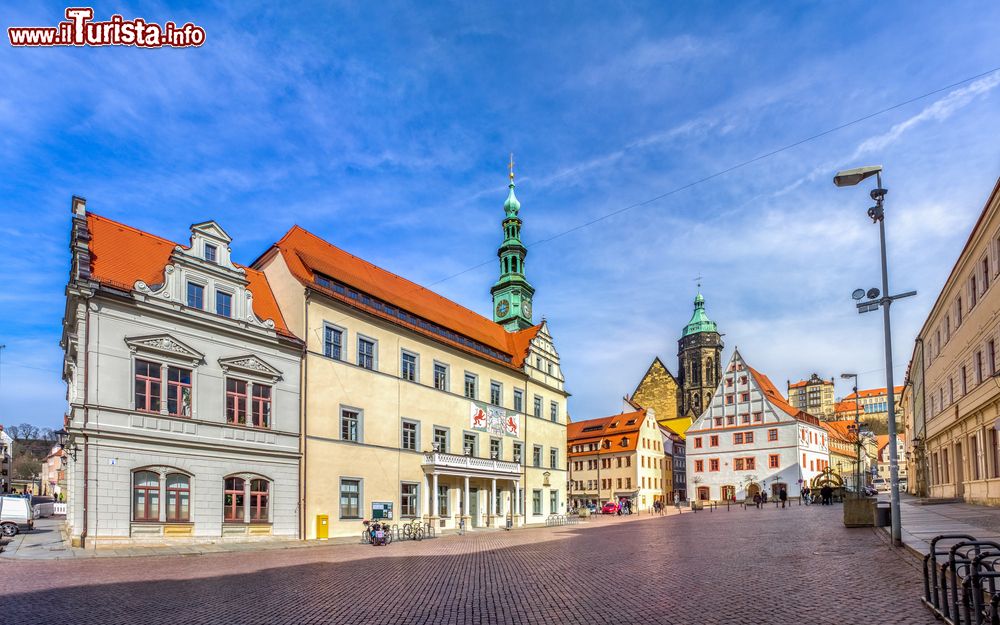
[[369, 265]]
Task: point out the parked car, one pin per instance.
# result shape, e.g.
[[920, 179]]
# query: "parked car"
[[592, 507], [881, 484], [16, 515], [610, 508]]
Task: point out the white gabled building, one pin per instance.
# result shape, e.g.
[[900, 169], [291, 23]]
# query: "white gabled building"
[[750, 439]]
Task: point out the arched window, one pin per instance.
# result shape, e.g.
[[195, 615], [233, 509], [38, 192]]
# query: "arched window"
[[178, 498], [234, 500], [145, 496], [709, 372], [259, 500]]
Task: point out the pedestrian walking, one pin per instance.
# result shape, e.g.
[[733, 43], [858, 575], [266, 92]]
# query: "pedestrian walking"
[[783, 496], [826, 494], [805, 495], [756, 499]]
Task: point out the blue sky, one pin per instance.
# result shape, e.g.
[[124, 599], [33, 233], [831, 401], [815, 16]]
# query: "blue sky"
[[385, 127]]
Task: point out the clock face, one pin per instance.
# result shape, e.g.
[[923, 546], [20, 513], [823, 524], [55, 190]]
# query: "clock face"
[[503, 307], [526, 307]]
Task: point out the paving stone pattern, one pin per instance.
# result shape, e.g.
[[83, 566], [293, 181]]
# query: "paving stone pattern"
[[773, 566]]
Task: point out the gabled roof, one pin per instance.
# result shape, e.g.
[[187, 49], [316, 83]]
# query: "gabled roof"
[[842, 407], [842, 430], [774, 396], [613, 428], [308, 256], [121, 255]]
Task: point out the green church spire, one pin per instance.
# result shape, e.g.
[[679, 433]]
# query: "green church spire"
[[699, 320], [512, 292]]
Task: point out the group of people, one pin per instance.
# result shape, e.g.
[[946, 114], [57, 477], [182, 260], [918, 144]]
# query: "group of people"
[[825, 495]]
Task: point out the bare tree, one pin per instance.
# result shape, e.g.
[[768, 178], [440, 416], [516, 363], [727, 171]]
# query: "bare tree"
[[26, 467], [13, 431], [27, 432]]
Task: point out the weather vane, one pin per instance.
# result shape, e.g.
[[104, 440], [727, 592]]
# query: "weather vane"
[[511, 167], [698, 280]]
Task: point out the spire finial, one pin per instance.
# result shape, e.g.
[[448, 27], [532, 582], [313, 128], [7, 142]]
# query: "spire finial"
[[511, 168]]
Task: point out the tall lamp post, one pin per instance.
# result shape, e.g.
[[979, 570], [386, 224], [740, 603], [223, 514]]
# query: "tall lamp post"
[[849, 178], [857, 432]]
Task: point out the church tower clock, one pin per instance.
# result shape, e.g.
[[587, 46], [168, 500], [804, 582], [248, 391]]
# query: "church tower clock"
[[699, 351], [512, 293]]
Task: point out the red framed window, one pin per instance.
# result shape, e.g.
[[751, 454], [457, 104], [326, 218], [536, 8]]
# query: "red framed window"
[[147, 386], [744, 396], [803, 460], [236, 401], [731, 420], [738, 464], [713, 464], [179, 391], [758, 417], [730, 399], [743, 379], [772, 434], [260, 407], [713, 440], [258, 500], [699, 466], [233, 500], [749, 437], [744, 418], [178, 498], [738, 438], [145, 496], [729, 382], [703, 493], [718, 422], [751, 464], [812, 465], [773, 461]]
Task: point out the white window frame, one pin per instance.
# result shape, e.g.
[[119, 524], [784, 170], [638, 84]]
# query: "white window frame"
[[499, 386], [447, 376], [416, 365], [343, 340], [475, 383], [416, 443], [374, 342], [447, 438], [361, 497], [340, 423], [518, 394]]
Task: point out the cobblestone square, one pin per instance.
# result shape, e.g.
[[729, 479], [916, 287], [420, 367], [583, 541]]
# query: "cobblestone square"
[[800, 566]]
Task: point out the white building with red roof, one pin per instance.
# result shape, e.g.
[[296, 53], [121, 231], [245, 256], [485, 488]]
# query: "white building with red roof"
[[183, 389], [751, 440]]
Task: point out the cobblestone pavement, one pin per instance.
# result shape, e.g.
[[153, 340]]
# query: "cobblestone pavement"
[[772, 566]]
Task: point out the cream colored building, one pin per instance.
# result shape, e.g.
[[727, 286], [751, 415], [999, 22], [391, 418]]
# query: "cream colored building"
[[814, 396], [415, 406], [618, 458], [952, 404]]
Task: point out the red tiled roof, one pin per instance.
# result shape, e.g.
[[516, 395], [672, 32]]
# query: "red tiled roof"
[[874, 392], [775, 397], [845, 407], [842, 429], [121, 255], [610, 428], [306, 255]]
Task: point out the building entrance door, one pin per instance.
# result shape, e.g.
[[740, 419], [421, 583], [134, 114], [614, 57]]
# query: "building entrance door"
[[753, 489], [728, 493], [474, 506], [959, 471]]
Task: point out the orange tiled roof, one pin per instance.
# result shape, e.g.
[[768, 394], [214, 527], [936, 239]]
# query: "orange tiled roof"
[[844, 407], [775, 397], [874, 392], [840, 429], [611, 428], [120, 255], [306, 255]]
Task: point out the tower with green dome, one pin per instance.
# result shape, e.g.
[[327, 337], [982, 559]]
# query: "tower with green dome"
[[699, 352], [512, 293]]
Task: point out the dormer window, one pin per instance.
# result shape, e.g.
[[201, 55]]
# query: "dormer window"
[[223, 304], [195, 295], [211, 253]]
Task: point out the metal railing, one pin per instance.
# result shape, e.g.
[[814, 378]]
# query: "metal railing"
[[555, 519], [961, 580]]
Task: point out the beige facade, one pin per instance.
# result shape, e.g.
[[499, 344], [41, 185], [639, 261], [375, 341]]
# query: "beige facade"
[[616, 458], [391, 413], [952, 391], [814, 396]]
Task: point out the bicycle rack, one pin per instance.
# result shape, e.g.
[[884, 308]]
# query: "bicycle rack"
[[969, 563]]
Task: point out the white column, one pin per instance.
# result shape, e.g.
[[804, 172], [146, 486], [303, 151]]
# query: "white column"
[[424, 501], [517, 498], [434, 496], [465, 506], [493, 497]]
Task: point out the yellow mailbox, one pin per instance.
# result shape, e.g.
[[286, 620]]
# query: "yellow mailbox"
[[322, 526]]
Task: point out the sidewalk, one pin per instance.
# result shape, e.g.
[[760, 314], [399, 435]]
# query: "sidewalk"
[[46, 543], [921, 523]]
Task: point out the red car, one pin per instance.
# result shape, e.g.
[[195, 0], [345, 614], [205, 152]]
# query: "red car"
[[610, 508]]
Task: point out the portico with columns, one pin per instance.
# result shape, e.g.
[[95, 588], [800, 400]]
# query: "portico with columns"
[[481, 491]]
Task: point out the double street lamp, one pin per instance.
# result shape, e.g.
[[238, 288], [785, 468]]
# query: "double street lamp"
[[849, 178]]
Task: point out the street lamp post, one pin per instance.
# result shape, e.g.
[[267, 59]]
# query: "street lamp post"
[[849, 178], [857, 432]]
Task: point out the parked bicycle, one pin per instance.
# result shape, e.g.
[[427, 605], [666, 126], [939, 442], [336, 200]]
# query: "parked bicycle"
[[376, 533], [413, 530]]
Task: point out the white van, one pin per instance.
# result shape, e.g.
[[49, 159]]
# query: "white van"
[[16, 515], [881, 484]]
